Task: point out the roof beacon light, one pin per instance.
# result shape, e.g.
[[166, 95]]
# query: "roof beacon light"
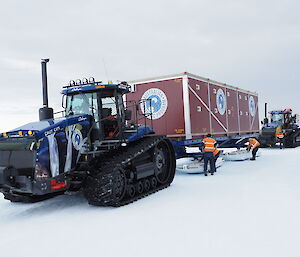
[[78, 82], [72, 83], [85, 81], [91, 80]]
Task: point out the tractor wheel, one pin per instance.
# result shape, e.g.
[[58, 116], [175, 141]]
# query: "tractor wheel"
[[139, 187], [147, 185], [107, 187], [153, 182], [131, 191], [163, 162]]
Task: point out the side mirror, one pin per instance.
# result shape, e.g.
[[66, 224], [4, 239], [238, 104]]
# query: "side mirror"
[[128, 114]]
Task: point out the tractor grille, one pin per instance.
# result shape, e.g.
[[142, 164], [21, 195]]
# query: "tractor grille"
[[268, 131], [16, 160], [17, 170], [21, 160], [18, 144]]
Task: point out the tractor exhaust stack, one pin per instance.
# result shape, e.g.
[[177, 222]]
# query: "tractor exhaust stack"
[[266, 110], [45, 113], [266, 114]]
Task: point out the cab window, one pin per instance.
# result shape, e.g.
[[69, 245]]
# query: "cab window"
[[109, 103], [79, 104], [277, 117]]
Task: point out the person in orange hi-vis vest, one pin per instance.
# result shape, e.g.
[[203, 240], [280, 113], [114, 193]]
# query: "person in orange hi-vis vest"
[[208, 148], [253, 145], [216, 155]]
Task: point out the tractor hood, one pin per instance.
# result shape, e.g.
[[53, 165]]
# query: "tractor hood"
[[39, 125], [40, 151], [40, 129]]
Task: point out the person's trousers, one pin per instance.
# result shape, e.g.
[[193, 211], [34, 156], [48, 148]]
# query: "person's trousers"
[[209, 157], [217, 156], [254, 151]]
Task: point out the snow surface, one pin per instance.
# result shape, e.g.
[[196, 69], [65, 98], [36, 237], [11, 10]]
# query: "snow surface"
[[246, 209]]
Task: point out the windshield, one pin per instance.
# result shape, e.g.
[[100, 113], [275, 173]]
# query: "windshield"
[[89, 103], [82, 104], [277, 117]]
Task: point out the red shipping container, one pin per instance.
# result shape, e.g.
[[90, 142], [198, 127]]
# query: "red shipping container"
[[189, 106]]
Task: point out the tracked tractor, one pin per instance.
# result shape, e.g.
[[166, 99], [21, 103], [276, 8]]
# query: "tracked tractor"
[[281, 127], [101, 146]]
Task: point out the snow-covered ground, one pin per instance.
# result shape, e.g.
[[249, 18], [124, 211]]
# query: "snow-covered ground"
[[246, 209]]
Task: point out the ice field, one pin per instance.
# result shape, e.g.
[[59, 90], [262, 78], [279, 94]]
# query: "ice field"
[[246, 209]]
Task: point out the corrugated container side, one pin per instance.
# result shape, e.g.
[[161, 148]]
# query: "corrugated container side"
[[254, 114], [196, 106], [170, 118], [244, 112], [199, 105], [232, 111], [218, 108]]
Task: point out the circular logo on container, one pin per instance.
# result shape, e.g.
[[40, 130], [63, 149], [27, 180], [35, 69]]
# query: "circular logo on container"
[[77, 139], [154, 101], [251, 106], [221, 101]]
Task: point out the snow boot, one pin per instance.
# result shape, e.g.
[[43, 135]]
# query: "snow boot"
[[252, 159]]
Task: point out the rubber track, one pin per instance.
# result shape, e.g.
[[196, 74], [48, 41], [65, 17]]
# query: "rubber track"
[[140, 196], [122, 157]]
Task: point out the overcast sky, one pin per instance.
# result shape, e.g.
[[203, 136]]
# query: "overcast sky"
[[250, 44]]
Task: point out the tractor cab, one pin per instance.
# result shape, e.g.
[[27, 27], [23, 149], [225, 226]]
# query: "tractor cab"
[[283, 118], [276, 117], [104, 102]]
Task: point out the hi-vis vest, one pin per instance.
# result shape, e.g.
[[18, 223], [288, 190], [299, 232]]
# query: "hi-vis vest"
[[253, 143], [216, 151], [209, 144]]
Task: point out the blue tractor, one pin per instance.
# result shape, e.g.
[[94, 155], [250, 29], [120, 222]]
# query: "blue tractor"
[[98, 147]]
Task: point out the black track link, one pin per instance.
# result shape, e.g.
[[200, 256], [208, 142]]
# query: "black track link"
[[104, 174], [138, 197]]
